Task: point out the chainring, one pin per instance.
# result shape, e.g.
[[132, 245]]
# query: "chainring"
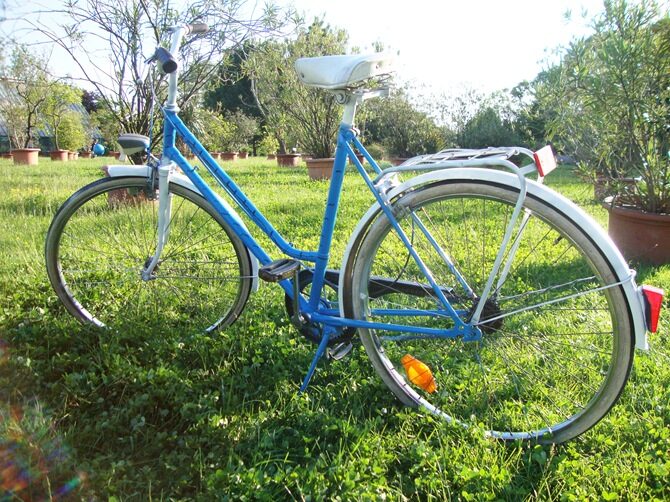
[[310, 331]]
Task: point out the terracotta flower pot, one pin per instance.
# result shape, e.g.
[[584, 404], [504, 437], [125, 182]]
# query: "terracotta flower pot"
[[216, 155], [320, 169], [73, 155], [6, 155], [271, 156], [28, 156], [288, 159], [396, 161], [59, 155], [640, 236], [229, 156], [360, 157], [85, 155], [123, 196], [243, 155]]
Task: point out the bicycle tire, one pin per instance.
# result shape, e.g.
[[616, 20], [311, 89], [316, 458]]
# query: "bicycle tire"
[[546, 374], [101, 238]]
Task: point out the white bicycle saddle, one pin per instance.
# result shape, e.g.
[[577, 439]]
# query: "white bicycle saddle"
[[341, 72]]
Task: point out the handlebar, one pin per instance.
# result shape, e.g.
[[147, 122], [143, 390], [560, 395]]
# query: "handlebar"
[[168, 62], [197, 28]]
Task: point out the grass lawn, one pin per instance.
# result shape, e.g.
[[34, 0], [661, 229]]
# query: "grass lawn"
[[88, 414]]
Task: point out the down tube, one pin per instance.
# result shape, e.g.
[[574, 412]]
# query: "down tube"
[[235, 193]]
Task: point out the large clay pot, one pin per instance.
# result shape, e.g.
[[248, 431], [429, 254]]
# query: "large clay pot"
[[243, 155], [360, 157], [229, 156], [396, 161], [320, 169], [288, 159], [85, 155], [123, 196], [27, 156], [640, 236], [61, 155]]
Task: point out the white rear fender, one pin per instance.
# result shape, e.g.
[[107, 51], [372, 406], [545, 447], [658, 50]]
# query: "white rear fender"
[[144, 171], [562, 204]]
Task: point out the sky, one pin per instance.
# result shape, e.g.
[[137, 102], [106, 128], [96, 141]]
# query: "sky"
[[446, 45], [442, 46]]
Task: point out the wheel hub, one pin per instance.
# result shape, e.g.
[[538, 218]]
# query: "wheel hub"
[[491, 309]]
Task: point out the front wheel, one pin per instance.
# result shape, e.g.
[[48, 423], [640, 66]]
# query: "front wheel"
[[103, 236], [556, 345]]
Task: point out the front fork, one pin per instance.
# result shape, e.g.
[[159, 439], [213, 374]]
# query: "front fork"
[[164, 213]]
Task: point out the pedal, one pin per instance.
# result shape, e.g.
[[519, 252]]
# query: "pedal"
[[340, 351], [278, 270]]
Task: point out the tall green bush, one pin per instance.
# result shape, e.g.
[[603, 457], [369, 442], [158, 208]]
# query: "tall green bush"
[[71, 132], [612, 94], [56, 109]]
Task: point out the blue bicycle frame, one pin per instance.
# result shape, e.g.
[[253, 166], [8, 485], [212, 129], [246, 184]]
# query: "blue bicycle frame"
[[311, 309]]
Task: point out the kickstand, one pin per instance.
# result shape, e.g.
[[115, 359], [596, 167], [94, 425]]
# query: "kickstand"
[[319, 354]]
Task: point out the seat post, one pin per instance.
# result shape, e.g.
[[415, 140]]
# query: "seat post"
[[351, 99], [350, 102]]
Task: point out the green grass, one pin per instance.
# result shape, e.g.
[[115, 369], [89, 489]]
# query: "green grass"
[[164, 414]]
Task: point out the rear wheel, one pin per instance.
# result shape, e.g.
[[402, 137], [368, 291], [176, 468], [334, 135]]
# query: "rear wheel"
[[103, 236], [556, 350]]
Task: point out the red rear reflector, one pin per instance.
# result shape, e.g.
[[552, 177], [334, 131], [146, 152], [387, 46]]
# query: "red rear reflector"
[[545, 160], [654, 299]]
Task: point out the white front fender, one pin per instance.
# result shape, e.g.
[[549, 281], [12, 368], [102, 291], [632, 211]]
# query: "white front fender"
[[144, 171], [562, 204]]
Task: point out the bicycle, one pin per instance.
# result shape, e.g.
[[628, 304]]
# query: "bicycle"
[[478, 293]]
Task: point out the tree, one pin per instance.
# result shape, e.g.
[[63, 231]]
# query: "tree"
[[110, 129], [133, 29], [486, 129], [403, 130], [231, 90], [530, 121], [28, 77], [90, 100], [286, 104], [58, 102]]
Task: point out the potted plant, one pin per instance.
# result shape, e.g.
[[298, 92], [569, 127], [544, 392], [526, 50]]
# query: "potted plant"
[[244, 128], [268, 146], [222, 134], [22, 110], [618, 80], [20, 135], [71, 133], [211, 128], [56, 107], [27, 156], [288, 107]]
